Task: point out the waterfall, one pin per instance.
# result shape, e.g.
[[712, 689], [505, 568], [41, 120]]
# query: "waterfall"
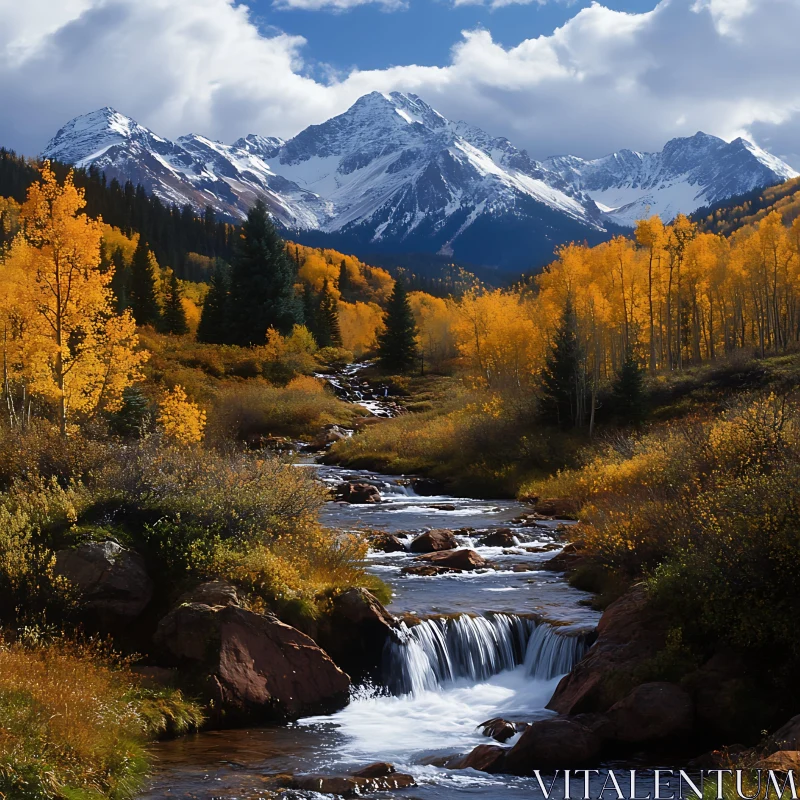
[[439, 650]]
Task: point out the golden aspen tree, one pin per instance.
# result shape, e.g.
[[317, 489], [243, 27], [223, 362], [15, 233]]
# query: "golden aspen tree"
[[649, 235], [78, 353], [180, 419]]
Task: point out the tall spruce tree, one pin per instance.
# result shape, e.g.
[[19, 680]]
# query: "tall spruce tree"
[[142, 298], [397, 344], [262, 280], [309, 303], [563, 390], [120, 280], [628, 393], [213, 326], [174, 317], [345, 284], [327, 331]]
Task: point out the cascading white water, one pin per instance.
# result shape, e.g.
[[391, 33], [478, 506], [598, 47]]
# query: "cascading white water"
[[440, 650]]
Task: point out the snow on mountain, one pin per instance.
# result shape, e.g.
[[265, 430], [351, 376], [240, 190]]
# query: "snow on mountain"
[[193, 170], [393, 173], [687, 174]]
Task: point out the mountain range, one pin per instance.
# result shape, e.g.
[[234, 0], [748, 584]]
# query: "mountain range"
[[391, 174]]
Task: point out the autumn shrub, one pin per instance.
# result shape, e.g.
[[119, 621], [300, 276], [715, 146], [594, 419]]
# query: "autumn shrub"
[[253, 409], [38, 450], [180, 419], [73, 723], [709, 514]]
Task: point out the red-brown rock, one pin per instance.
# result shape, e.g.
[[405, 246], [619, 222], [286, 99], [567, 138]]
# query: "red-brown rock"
[[500, 729], [629, 634], [652, 712], [548, 744], [455, 560], [254, 666], [434, 541], [484, 758], [502, 537], [386, 543], [358, 493]]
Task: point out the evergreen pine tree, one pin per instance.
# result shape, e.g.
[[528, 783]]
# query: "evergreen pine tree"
[[213, 326], [398, 342], [143, 303], [134, 416], [328, 333], [628, 394], [121, 280], [345, 284], [262, 292], [310, 310], [174, 319], [563, 393]]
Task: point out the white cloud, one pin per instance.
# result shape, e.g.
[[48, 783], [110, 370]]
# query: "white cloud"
[[336, 5], [604, 80]]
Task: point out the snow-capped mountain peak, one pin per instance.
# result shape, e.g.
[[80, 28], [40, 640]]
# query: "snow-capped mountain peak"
[[392, 173]]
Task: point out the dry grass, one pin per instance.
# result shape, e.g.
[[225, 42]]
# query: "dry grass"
[[69, 727]]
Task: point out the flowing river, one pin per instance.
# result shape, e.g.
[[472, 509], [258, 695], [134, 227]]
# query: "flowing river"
[[491, 643]]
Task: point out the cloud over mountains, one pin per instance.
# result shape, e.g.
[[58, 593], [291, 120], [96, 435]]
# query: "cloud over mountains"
[[603, 80]]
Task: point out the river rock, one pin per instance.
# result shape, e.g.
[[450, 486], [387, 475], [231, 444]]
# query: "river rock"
[[497, 728], [502, 537], [330, 435], [425, 570], [386, 543], [358, 493], [426, 487], [112, 580], [630, 633], [354, 634], [460, 560], [484, 758], [252, 666], [434, 541], [354, 785], [652, 712], [212, 593], [559, 508], [549, 744]]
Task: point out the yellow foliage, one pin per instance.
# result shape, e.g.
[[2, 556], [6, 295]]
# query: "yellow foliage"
[[181, 420], [306, 383], [61, 333], [360, 324]]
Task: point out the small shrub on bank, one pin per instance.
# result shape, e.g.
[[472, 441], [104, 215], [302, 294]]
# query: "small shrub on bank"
[[248, 411]]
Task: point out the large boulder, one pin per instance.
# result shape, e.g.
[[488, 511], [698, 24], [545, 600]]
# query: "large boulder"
[[502, 537], [212, 593], [550, 744], [456, 560], [112, 580], [630, 633], [652, 712], [355, 632], [386, 543], [484, 758], [358, 493], [252, 667], [433, 542]]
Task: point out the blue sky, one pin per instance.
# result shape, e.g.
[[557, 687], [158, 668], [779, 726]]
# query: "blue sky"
[[369, 37], [554, 77]]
